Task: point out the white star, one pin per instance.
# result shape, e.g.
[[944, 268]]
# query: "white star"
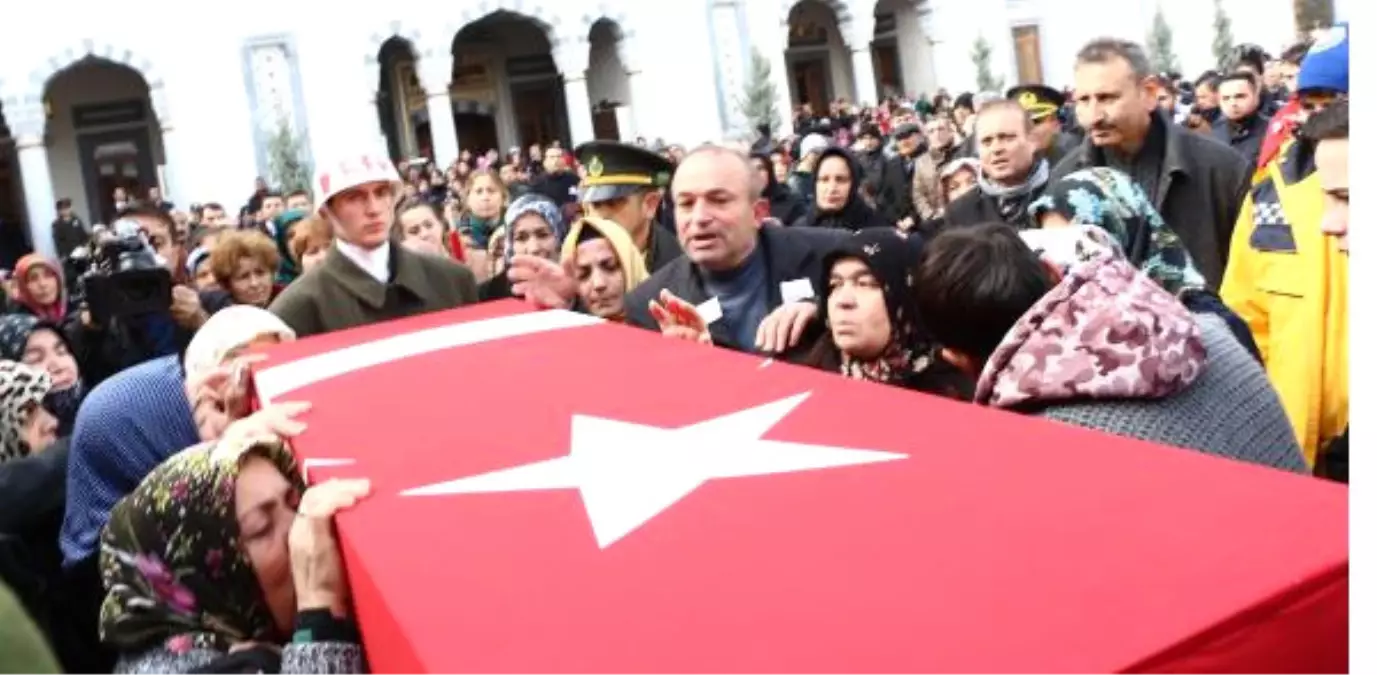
[[628, 473]]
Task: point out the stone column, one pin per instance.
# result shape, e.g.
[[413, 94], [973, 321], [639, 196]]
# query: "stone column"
[[636, 109], [863, 74], [779, 74], [435, 71], [38, 191], [580, 109], [172, 166], [859, 32], [572, 59]]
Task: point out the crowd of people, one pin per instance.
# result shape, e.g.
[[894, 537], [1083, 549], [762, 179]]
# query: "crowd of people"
[[1138, 255]]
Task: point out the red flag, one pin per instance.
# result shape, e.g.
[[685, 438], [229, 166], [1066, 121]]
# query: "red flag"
[[552, 493]]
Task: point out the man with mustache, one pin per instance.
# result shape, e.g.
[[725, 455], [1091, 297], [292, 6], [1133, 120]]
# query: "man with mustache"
[[1197, 184]]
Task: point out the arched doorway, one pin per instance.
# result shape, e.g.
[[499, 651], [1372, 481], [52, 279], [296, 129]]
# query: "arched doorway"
[[103, 136], [816, 56], [609, 87], [506, 88], [402, 101]]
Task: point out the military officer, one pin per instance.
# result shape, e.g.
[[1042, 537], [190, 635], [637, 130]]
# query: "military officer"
[[1043, 103], [626, 183]]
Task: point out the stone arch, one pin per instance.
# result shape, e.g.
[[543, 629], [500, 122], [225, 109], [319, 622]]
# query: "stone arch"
[[408, 34], [620, 23], [840, 8], [535, 11], [58, 62]]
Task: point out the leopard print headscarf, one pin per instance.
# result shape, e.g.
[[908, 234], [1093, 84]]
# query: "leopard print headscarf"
[[21, 388]]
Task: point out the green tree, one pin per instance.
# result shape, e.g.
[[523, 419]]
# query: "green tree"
[[1159, 48], [984, 76], [760, 100], [287, 162], [1223, 34], [1312, 15]]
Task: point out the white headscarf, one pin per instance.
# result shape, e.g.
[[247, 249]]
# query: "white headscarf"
[[230, 329]]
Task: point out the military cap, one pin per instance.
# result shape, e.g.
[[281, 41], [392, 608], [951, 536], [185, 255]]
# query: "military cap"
[[616, 170], [1039, 100]]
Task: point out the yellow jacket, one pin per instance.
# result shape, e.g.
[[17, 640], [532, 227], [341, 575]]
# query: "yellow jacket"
[[1289, 282]]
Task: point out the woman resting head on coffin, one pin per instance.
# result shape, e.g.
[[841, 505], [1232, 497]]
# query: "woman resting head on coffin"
[[873, 331], [606, 265], [223, 561], [1076, 333]]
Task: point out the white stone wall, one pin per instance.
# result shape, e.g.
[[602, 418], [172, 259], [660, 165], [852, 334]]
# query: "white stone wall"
[[196, 52], [192, 56]]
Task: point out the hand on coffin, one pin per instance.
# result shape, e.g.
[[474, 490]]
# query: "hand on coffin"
[[784, 327], [678, 319], [276, 421], [544, 283], [317, 571], [220, 396]]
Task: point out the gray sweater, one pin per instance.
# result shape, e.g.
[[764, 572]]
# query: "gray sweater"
[[326, 658], [1230, 411]]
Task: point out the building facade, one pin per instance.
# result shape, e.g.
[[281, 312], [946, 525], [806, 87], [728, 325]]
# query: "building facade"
[[199, 98]]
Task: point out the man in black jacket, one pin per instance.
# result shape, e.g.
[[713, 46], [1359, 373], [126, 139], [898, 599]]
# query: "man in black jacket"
[[1242, 126], [895, 200], [740, 281], [739, 284], [625, 184], [1197, 184], [1012, 174]]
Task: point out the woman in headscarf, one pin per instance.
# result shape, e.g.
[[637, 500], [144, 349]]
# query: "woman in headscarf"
[[42, 345], [39, 289], [33, 473], [837, 200], [606, 263], [143, 415], [1108, 199], [535, 227], [873, 331], [284, 224], [200, 575]]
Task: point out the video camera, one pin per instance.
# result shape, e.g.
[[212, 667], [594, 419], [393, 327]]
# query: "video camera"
[[119, 275]]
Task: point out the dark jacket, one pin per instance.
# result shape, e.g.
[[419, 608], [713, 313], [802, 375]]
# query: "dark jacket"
[[69, 234], [895, 198], [1063, 145], [1246, 137], [33, 492], [338, 294], [562, 187], [1202, 185], [790, 253], [664, 249]]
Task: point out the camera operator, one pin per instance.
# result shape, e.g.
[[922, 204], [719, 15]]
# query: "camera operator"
[[136, 302]]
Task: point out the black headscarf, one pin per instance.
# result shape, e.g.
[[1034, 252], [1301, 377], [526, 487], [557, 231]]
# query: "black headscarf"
[[911, 359], [856, 214]]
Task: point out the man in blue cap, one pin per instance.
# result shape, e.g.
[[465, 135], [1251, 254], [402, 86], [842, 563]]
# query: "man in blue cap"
[[625, 183]]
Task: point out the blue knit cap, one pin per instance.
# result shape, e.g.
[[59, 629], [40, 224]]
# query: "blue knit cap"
[[1326, 64]]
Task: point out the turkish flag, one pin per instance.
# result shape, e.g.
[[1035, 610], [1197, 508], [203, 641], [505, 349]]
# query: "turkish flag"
[[552, 493]]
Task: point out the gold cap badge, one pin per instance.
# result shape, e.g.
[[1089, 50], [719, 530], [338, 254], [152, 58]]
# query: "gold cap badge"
[[595, 167], [1028, 100]]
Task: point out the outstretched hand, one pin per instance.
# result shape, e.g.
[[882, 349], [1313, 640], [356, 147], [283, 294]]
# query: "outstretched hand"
[[544, 283], [678, 319]]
